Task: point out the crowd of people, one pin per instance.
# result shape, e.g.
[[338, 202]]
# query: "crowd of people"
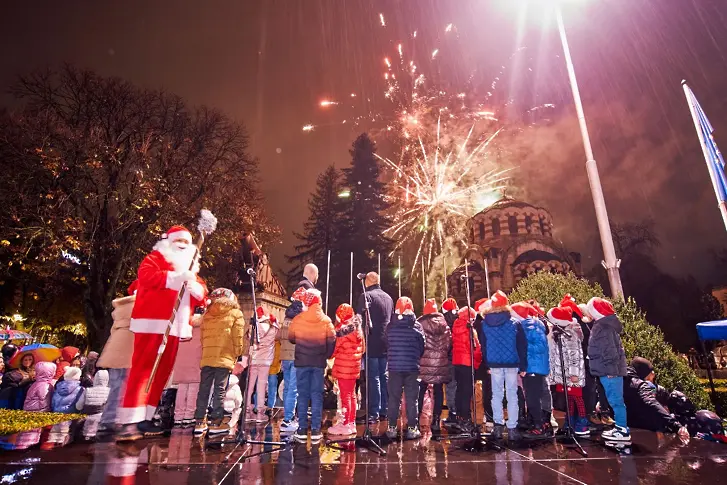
[[532, 359]]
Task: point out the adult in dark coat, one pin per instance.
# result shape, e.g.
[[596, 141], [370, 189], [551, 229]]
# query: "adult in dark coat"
[[435, 363], [310, 277], [381, 307]]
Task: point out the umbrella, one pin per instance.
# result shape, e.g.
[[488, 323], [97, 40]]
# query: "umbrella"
[[8, 334], [41, 353]]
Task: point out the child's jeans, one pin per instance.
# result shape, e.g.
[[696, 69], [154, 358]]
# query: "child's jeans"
[[451, 393], [406, 382], [310, 390], [257, 374], [117, 381], [272, 390], [290, 389], [614, 387], [346, 389], [504, 384], [186, 402], [212, 379]]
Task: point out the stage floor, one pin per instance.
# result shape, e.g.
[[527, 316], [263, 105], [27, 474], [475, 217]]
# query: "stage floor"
[[182, 459]]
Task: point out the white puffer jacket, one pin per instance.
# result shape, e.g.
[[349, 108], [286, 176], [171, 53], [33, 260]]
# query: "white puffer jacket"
[[97, 395], [233, 399]]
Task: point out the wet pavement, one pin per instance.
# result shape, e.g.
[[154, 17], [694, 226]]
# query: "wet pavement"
[[51, 455]]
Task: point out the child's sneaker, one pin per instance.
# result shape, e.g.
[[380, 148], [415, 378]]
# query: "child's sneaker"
[[607, 420], [513, 434], [315, 435], [200, 427], [413, 433], [553, 422], [581, 427], [219, 427], [261, 417], [249, 417], [301, 436], [178, 423], [186, 423], [616, 434], [352, 428], [535, 432], [497, 431], [339, 430], [289, 426], [391, 432]]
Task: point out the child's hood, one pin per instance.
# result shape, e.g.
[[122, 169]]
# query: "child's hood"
[[69, 353], [66, 388], [433, 323], [612, 322], [222, 306], [101, 379], [45, 371], [406, 320], [497, 319]]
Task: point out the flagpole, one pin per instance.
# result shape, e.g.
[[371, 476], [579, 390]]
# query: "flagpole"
[[379, 267], [398, 273], [350, 283], [328, 278], [487, 276], [424, 285], [444, 270], [706, 152]]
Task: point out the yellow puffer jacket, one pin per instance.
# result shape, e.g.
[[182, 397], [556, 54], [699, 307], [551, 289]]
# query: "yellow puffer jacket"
[[223, 334]]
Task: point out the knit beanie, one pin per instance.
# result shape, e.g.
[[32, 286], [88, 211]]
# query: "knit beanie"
[[642, 367]]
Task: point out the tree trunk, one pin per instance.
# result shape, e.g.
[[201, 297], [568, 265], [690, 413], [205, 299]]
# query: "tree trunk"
[[97, 306]]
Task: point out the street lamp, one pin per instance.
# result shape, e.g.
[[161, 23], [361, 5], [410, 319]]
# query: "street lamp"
[[611, 263]]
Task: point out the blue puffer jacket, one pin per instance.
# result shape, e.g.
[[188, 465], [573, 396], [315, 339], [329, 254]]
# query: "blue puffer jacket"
[[538, 352], [504, 343], [68, 397], [405, 343]]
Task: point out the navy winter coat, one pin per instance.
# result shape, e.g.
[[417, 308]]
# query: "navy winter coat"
[[405, 340], [381, 307], [605, 350], [538, 351], [504, 343]]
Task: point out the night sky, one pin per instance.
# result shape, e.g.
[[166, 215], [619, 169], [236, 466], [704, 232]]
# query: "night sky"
[[269, 63]]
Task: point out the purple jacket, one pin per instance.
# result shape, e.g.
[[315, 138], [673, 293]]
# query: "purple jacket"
[[41, 392]]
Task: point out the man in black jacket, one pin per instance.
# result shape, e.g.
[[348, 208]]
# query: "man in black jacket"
[[310, 277], [381, 307], [645, 401]]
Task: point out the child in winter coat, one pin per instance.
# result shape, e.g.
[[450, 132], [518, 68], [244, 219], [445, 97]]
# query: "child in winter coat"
[[275, 369], [315, 339], [462, 361], [450, 311], [537, 391], [70, 356], [347, 366], [568, 334], [435, 363], [186, 376], [69, 396], [40, 393], [287, 361], [116, 357], [405, 347], [608, 362], [96, 398], [261, 358], [505, 354], [233, 401], [223, 341]]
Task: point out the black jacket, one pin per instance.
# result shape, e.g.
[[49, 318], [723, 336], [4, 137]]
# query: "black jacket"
[[643, 407], [605, 350], [381, 307], [434, 364], [306, 284]]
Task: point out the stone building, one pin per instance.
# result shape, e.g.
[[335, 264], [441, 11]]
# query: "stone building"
[[269, 292], [508, 241]]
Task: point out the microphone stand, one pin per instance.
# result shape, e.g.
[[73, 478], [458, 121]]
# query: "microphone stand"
[[367, 440], [241, 439], [476, 441]]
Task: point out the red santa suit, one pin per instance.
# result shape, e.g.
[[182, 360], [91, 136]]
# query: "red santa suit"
[[160, 277]]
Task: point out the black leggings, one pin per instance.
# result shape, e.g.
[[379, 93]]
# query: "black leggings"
[[438, 398], [463, 375]]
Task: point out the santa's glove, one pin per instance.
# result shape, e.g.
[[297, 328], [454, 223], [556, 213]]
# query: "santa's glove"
[[195, 289], [195, 266], [175, 279]]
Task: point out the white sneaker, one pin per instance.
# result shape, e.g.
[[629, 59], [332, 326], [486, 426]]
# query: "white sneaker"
[[351, 428], [616, 434], [289, 426], [553, 421], [339, 430]]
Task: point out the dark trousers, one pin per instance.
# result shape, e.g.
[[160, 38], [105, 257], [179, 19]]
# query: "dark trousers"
[[215, 379], [487, 396], [406, 382], [463, 375], [438, 398], [534, 386]]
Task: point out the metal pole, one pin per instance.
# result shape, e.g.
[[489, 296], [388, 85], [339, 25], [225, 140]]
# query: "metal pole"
[[398, 273], [350, 283], [487, 277], [444, 270], [379, 267], [328, 278], [604, 227], [424, 285]]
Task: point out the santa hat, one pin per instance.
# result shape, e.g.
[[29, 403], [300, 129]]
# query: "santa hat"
[[569, 302], [344, 312], [561, 316], [464, 311], [584, 309], [522, 310], [449, 305], [498, 304], [177, 232], [404, 306], [538, 308], [430, 306], [599, 308], [312, 297], [273, 319], [261, 317], [482, 305]]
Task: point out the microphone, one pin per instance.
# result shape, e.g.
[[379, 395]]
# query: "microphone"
[[251, 271], [361, 276], [463, 277]]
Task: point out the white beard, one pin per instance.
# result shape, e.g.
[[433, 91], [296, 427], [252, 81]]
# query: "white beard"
[[180, 259]]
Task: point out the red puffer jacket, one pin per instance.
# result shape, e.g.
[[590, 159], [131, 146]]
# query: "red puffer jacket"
[[349, 349], [461, 344]]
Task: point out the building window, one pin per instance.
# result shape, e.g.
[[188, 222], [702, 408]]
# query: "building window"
[[482, 230], [471, 281], [542, 225], [494, 254], [495, 227], [528, 224], [512, 224], [473, 234]]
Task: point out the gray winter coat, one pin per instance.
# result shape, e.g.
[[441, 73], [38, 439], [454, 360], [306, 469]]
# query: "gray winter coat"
[[572, 356], [605, 350]]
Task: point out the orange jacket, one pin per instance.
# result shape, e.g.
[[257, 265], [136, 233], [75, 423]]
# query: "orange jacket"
[[349, 349]]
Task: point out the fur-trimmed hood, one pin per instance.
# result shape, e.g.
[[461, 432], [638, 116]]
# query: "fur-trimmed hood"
[[220, 306]]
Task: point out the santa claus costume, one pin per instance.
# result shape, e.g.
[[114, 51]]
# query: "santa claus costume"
[[160, 277]]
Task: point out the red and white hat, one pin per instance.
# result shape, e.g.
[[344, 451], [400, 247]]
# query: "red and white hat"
[[462, 312], [404, 306], [344, 312], [449, 305], [522, 310], [599, 308], [561, 316], [482, 305], [261, 317], [312, 297], [177, 232], [538, 308], [571, 303], [298, 294], [430, 306]]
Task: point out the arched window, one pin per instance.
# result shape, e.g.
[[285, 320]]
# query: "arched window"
[[528, 224], [494, 254], [542, 225], [495, 227], [512, 224], [482, 230]]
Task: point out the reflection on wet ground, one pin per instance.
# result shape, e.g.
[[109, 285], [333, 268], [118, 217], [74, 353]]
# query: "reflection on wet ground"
[[52, 454]]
